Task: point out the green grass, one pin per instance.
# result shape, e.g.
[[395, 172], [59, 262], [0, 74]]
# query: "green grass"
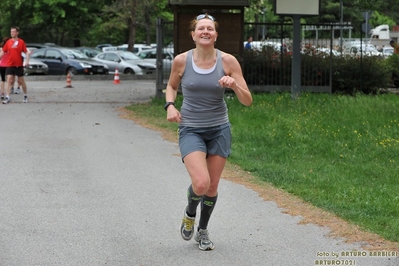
[[339, 153]]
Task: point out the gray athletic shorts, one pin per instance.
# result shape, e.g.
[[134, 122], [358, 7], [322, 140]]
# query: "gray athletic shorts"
[[210, 140]]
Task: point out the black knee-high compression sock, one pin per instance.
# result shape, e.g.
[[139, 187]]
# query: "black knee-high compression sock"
[[193, 201], [207, 206]]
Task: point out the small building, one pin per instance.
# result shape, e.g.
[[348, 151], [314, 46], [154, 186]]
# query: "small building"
[[394, 34], [228, 13]]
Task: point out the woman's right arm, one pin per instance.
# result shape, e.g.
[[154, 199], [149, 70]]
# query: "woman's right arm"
[[176, 73]]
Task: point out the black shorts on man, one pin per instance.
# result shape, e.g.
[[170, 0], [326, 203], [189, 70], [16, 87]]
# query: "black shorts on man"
[[15, 71]]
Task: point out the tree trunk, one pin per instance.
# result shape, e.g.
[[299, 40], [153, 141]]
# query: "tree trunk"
[[147, 21], [132, 30]]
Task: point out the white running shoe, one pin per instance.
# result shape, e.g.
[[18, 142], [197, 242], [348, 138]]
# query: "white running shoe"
[[6, 100], [25, 99], [202, 237], [17, 91]]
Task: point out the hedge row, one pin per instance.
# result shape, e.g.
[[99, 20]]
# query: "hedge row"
[[350, 75]]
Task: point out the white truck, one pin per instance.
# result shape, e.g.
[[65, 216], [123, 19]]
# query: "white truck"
[[380, 32]]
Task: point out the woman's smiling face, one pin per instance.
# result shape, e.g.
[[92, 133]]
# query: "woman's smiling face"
[[205, 32]]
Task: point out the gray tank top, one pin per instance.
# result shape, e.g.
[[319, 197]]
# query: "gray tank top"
[[203, 98]]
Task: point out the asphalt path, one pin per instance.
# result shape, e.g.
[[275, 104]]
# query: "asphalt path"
[[82, 186]]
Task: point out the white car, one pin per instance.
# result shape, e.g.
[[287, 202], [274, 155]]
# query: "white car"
[[126, 62], [260, 45], [137, 47], [365, 49], [387, 51], [326, 51], [150, 56], [35, 67]]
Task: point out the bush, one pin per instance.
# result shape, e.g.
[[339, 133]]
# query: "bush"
[[350, 75], [266, 67], [393, 65]]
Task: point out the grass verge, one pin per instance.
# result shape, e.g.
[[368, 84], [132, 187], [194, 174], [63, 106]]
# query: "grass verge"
[[338, 153]]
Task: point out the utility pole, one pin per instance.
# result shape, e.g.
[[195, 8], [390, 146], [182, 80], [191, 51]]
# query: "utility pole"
[[366, 31], [296, 59], [263, 12]]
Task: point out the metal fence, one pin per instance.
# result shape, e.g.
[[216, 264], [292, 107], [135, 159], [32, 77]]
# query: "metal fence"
[[164, 40], [268, 65]]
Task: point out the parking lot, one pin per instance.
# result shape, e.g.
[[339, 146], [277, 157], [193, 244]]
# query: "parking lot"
[[89, 89]]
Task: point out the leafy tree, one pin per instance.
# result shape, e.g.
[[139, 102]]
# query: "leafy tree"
[[384, 11], [124, 20], [68, 22], [58, 21], [379, 19]]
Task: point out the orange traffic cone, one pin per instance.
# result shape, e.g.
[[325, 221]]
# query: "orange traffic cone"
[[68, 81], [116, 77]]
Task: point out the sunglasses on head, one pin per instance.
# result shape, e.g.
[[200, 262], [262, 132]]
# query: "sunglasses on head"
[[202, 16]]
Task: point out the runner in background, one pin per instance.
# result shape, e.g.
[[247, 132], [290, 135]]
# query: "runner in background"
[[15, 63]]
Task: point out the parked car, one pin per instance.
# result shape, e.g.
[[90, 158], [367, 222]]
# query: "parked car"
[[35, 67], [90, 52], [387, 51], [326, 51], [33, 46], [365, 49], [61, 61], [261, 45], [136, 48], [42, 45], [126, 62], [51, 44], [102, 45], [150, 56], [109, 48]]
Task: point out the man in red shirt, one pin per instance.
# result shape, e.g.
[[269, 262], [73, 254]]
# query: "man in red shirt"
[[15, 63]]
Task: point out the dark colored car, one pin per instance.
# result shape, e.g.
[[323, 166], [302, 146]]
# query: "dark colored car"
[[36, 45], [61, 61], [90, 52]]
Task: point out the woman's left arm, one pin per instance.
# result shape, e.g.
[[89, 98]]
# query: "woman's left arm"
[[235, 80]]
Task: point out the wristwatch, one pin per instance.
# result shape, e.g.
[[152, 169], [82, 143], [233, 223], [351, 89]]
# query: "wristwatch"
[[167, 105]]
